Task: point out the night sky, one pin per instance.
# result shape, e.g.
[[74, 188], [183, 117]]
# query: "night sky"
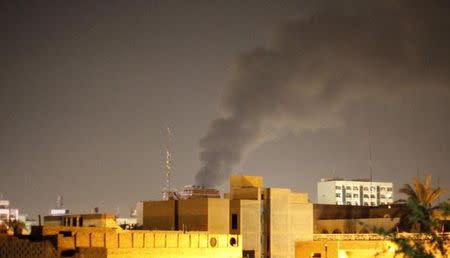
[[293, 91]]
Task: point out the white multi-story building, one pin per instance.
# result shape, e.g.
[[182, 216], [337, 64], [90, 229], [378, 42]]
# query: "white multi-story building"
[[354, 192], [7, 213]]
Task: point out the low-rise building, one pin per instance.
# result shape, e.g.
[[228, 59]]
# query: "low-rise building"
[[82, 220], [269, 219], [7, 213]]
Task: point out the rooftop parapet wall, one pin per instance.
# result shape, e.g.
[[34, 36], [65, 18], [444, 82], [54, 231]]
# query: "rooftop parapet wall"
[[70, 238], [241, 181]]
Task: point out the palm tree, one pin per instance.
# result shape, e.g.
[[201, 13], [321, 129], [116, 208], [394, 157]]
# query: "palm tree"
[[422, 193], [421, 216]]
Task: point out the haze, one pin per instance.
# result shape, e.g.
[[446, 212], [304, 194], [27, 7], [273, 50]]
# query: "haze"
[[87, 90]]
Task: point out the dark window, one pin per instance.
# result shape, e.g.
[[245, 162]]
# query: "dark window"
[[80, 222], [248, 253], [74, 222], [234, 221]]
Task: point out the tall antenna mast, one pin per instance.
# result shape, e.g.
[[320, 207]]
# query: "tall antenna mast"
[[168, 187], [370, 165]]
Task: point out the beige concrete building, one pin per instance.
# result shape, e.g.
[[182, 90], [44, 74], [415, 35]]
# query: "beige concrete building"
[[270, 220], [199, 214], [82, 220]]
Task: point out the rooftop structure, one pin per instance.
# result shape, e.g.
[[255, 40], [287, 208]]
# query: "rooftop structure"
[[7, 213], [354, 192], [196, 192], [269, 219], [82, 220]]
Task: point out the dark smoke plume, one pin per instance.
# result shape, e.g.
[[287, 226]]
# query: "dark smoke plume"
[[318, 65]]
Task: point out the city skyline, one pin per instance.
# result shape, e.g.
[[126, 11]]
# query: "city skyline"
[[88, 90]]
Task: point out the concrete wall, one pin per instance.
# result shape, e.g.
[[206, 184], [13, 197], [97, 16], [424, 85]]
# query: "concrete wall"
[[218, 216], [353, 226], [87, 220], [159, 215], [249, 224], [205, 214], [343, 249], [280, 244], [193, 214], [326, 192], [142, 243], [291, 219]]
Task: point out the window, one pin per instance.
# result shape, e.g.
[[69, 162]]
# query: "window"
[[348, 188], [382, 196], [338, 187], [372, 196], [366, 188], [80, 222], [355, 196], [372, 188], [338, 195], [348, 195], [389, 189], [366, 196], [355, 188], [349, 203], [372, 204], [383, 203], [383, 188], [366, 204], [234, 221]]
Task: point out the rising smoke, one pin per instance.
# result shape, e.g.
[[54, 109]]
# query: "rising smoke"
[[342, 52]]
